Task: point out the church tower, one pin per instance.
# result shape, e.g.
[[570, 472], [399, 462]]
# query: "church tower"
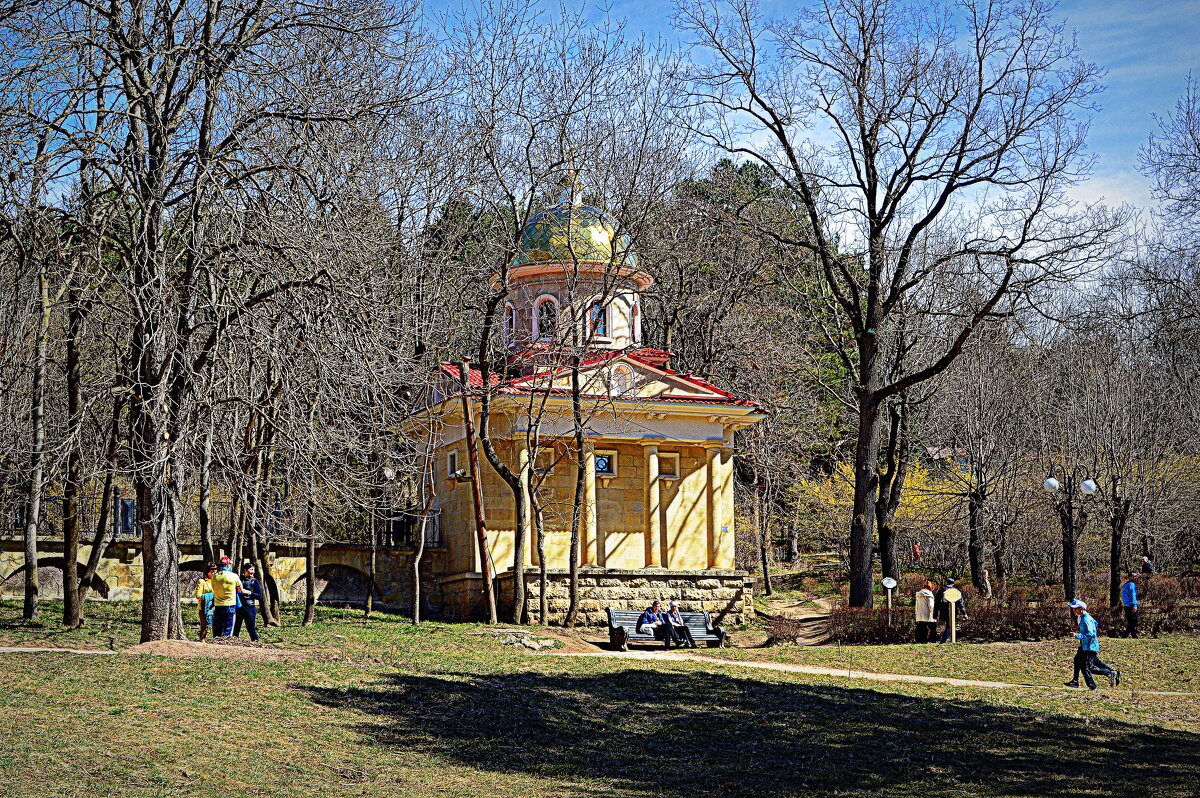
[[574, 266]]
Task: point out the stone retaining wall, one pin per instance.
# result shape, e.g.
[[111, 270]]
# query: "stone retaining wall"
[[726, 595]]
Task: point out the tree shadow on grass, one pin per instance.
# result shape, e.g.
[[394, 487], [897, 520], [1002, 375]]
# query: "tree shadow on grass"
[[639, 732]]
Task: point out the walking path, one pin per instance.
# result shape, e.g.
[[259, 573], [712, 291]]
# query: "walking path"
[[32, 650], [844, 673]]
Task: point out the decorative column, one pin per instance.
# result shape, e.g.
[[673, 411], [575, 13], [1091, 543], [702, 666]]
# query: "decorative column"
[[653, 508], [590, 544], [712, 503], [725, 554]]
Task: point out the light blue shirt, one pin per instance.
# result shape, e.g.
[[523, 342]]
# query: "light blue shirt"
[[1129, 594], [1087, 633]]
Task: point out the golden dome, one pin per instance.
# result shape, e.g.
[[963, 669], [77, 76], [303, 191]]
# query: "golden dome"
[[570, 233]]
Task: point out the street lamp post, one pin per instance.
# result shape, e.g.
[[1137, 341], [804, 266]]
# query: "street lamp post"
[[1072, 515]]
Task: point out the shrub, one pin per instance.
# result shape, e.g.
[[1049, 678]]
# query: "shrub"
[[857, 625]]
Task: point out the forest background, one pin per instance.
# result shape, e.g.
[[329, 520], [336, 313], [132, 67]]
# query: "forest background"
[[239, 238]]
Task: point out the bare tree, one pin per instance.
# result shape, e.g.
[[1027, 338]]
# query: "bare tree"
[[922, 142]]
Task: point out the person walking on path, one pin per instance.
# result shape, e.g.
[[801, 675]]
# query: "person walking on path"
[[1129, 600], [1087, 658], [204, 599], [679, 629], [926, 616], [225, 584], [1148, 567], [943, 609], [247, 611]]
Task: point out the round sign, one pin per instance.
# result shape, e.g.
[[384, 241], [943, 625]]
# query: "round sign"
[[952, 594], [889, 583]]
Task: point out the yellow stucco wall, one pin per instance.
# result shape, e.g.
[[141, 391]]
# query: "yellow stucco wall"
[[620, 509]]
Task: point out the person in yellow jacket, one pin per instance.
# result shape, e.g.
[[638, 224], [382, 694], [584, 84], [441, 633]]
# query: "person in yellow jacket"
[[204, 599], [225, 587]]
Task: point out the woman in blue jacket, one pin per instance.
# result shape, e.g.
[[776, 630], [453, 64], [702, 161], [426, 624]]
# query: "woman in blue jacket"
[[247, 611]]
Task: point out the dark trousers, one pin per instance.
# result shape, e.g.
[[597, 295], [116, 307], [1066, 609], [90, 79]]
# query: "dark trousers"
[[1131, 619], [926, 631], [250, 616], [683, 635], [1087, 663], [223, 621]]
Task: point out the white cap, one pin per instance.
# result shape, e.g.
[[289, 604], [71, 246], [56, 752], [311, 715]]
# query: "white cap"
[[1076, 604], [674, 603]]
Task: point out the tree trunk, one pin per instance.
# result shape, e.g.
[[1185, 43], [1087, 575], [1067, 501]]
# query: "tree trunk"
[[369, 604], [107, 501], [891, 485], [310, 568], [419, 553], [72, 609], [975, 499], [866, 488], [760, 525], [573, 556], [1117, 520], [999, 556], [485, 565], [204, 491], [33, 517]]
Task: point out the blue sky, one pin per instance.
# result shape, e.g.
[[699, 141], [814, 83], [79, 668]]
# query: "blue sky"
[[1146, 47]]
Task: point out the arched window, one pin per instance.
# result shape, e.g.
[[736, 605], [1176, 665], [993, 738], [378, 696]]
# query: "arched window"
[[622, 381], [510, 324], [599, 318], [635, 326], [545, 318]]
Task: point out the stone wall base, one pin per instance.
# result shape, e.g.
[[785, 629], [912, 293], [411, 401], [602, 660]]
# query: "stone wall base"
[[727, 595]]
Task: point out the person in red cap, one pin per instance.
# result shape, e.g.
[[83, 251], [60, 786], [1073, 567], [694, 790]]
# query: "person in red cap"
[[225, 586]]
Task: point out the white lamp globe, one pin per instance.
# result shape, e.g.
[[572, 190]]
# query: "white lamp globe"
[[1051, 484], [1088, 487]]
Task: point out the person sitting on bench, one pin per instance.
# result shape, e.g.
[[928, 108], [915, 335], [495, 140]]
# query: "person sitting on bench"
[[652, 622], [679, 629]]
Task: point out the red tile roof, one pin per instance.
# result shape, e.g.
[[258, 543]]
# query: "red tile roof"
[[654, 358]]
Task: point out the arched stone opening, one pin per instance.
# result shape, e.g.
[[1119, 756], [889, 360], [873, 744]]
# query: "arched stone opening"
[[50, 581]]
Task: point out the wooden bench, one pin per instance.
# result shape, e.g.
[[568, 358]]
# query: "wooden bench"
[[622, 629]]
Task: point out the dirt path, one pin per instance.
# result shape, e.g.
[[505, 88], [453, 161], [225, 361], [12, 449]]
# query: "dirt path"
[[33, 650], [814, 621], [844, 673]]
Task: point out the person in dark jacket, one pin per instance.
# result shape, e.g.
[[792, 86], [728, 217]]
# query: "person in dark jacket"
[[942, 609], [247, 611], [679, 629], [1148, 567], [652, 622]]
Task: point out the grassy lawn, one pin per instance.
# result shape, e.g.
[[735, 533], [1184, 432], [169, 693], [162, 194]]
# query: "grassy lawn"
[[384, 709], [1167, 663]]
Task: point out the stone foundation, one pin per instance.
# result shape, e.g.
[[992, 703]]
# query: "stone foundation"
[[726, 595], [119, 575]]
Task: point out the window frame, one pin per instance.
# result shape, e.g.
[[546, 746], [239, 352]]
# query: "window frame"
[[451, 463], [613, 459], [604, 314], [510, 323], [674, 458], [538, 333]]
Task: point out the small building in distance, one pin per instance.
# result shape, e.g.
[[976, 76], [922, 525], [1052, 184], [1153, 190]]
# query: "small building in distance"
[[657, 503]]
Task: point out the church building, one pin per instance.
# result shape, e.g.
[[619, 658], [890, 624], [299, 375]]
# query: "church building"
[[657, 506]]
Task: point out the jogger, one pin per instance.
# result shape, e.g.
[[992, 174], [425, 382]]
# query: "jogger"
[[1087, 658]]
